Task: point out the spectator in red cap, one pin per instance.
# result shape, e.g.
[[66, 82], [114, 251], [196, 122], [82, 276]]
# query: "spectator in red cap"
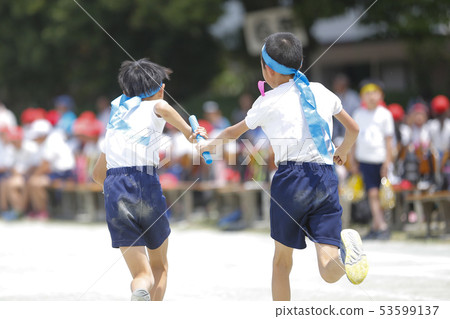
[[439, 129], [87, 129], [57, 165], [402, 131], [417, 119], [6, 162]]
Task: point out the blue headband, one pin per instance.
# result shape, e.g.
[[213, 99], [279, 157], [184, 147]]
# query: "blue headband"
[[123, 106], [150, 93], [318, 127]]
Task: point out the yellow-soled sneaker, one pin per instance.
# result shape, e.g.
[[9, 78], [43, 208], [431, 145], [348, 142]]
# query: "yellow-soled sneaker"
[[353, 256]]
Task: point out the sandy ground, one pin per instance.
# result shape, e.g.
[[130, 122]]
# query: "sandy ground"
[[70, 261]]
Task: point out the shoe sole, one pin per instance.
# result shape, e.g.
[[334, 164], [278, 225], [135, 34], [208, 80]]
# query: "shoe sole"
[[356, 264]]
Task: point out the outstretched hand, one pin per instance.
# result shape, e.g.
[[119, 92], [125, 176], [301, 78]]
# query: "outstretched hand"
[[199, 131]]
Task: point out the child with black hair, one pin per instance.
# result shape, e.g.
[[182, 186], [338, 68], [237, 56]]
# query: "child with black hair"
[[297, 118], [127, 169]]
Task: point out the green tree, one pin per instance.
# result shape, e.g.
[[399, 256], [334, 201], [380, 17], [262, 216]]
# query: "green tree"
[[53, 47]]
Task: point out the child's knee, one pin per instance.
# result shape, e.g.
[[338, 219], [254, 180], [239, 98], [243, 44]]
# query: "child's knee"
[[328, 277], [282, 262]]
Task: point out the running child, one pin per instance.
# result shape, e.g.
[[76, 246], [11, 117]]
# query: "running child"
[[127, 169], [297, 118]]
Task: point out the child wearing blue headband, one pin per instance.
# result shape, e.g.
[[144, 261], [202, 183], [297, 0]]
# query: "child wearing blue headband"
[[297, 118], [127, 169]]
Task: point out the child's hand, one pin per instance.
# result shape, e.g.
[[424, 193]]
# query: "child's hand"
[[204, 146], [200, 130], [340, 157]]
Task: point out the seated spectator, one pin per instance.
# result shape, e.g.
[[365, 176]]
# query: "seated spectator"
[[350, 102], [7, 118], [87, 129], [57, 164], [439, 129], [420, 141], [25, 157], [214, 116], [6, 161], [28, 116], [65, 105], [103, 111]]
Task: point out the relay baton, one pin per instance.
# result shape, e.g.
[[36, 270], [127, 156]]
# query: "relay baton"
[[194, 125]]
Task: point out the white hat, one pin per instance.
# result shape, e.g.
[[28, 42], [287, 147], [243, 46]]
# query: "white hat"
[[39, 128], [210, 107]]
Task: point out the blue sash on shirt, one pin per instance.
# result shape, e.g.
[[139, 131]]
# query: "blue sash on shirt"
[[318, 127]]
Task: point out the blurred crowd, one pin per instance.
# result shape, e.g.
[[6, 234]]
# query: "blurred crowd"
[[50, 148]]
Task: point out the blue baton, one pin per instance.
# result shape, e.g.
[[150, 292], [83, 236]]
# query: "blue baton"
[[194, 125]]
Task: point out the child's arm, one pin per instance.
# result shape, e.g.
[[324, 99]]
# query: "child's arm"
[[388, 161], [168, 113], [229, 134], [351, 134], [99, 173]]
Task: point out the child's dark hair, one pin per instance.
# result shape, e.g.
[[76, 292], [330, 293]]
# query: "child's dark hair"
[[142, 76], [285, 48]]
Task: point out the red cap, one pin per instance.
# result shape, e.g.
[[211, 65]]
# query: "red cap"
[[397, 111], [15, 134], [30, 115], [88, 115], [87, 126], [52, 116], [208, 126], [440, 104]]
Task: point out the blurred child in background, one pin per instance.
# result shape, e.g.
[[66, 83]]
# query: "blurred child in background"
[[373, 152]]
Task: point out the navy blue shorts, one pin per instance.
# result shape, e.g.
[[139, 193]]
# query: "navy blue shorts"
[[309, 200], [135, 207], [371, 175], [61, 175]]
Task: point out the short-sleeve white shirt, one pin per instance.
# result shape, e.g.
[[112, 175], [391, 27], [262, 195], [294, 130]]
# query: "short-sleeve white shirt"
[[280, 115], [439, 134], [139, 145], [57, 152], [374, 126]]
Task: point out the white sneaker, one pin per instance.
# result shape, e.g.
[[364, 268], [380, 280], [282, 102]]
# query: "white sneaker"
[[140, 295]]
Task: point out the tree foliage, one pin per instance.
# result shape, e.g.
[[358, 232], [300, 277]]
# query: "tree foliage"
[[49, 47]]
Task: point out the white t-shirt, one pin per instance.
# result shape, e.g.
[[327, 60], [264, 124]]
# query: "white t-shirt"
[[374, 126], [439, 135], [7, 118], [27, 156], [57, 152], [6, 156], [280, 115], [139, 145]]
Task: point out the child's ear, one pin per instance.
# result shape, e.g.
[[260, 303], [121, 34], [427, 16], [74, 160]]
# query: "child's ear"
[[161, 91], [269, 70]]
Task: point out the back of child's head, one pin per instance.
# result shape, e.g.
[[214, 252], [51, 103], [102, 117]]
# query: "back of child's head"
[[285, 49], [141, 77]]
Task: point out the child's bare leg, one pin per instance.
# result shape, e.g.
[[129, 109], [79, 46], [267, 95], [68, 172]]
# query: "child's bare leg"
[[3, 195], [137, 262], [159, 266], [38, 192], [378, 222], [330, 266], [282, 265], [17, 193]]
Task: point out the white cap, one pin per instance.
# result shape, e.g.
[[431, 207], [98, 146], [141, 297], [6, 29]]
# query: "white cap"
[[39, 128], [210, 107]]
